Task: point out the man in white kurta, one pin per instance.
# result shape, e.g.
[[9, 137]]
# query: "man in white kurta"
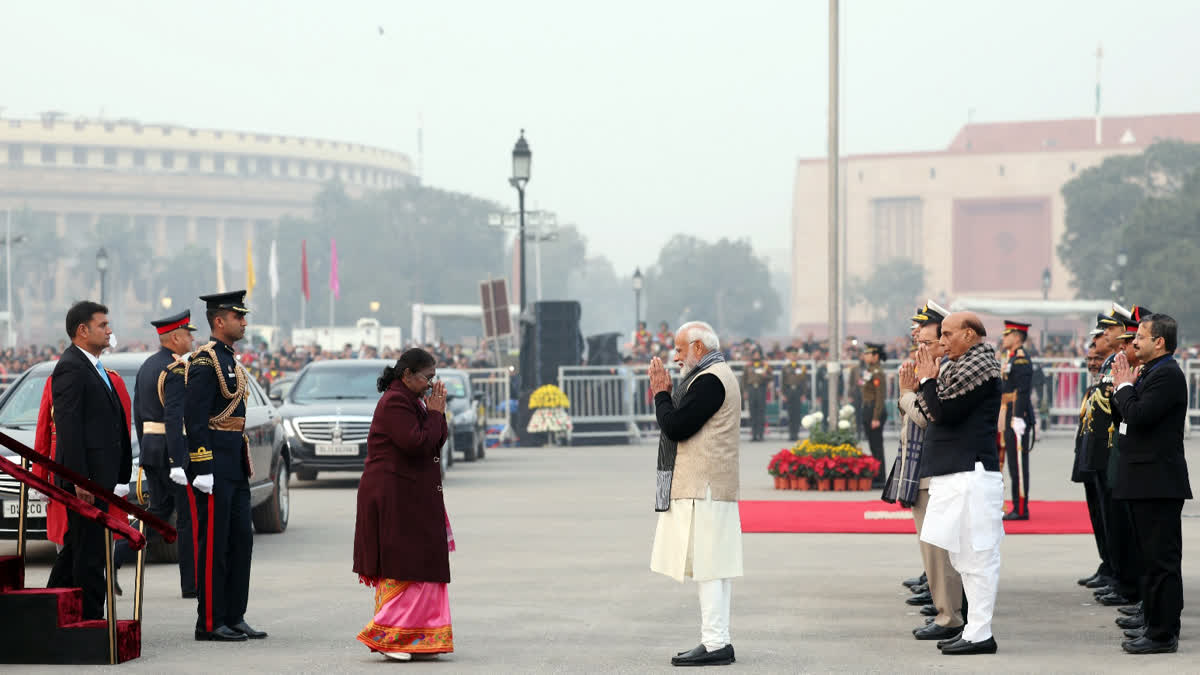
[[699, 536]]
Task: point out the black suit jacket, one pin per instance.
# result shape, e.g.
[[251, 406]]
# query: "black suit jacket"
[[89, 421], [1152, 410]]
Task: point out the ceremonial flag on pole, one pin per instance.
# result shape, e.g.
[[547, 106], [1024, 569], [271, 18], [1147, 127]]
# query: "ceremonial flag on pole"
[[273, 271], [304, 269], [220, 267], [251, 280], [334, 285]]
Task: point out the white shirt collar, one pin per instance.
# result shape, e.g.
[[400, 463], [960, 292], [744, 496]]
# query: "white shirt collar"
[[90, 357]]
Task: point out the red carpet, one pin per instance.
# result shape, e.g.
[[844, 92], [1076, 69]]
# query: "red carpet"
[[876, 517]]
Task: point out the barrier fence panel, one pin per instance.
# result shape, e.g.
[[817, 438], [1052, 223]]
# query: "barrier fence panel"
[[1192, 370], [601, 394], [495, 383]]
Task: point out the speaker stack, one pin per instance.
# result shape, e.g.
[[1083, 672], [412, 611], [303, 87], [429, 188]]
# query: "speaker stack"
[[550, 338]]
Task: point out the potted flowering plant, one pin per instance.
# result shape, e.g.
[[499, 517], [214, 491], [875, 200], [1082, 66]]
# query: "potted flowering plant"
[[868, 467], [550, 405]]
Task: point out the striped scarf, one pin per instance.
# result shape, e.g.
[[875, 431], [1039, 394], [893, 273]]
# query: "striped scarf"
[[905, 478]]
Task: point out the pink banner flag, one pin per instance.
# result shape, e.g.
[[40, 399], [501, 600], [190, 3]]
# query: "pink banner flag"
[[334, 285]]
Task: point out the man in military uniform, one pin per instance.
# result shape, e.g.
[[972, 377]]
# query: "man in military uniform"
[[756, 380], [873, 386], [1016, 422], [853, 381], [795, 391], [158, 423], [219, 469]]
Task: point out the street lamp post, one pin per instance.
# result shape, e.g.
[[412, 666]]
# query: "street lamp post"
[[1045, 296], [102, 268], [522, 158], [637, 299], [1122, 260]]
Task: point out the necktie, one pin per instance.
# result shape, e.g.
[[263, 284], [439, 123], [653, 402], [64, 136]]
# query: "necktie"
[[104, 374]]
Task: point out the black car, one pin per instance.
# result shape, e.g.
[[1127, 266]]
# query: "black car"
[[468, 420], [327, 414], [268, 447]]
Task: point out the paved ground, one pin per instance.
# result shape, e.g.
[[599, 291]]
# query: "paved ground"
[[552, 575]]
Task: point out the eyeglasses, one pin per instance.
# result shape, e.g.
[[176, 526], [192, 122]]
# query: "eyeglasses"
[[428, 378]]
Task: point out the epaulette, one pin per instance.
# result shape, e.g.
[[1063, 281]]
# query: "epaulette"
[[179, 368]]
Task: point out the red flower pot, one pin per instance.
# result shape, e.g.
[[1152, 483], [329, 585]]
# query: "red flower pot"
[[864, 484], [824, 484], [780, 483], [839, 484]]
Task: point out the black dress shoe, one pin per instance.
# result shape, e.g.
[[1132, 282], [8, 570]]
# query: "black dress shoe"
[[1131, 622], [245, 629], [1135, 633], [1086, 580], [1145, 645], [1098, 582], [965, 647], [1012, 515], [919, 599], [1115, 600], [915, 581], [936, 632], [929, 610], [920, 588], [722, 657], [694, 651], [929, 620], [1104, 590], [220, 634], [1131, 609]]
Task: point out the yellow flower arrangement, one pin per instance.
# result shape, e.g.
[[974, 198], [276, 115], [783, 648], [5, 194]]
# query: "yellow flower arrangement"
[[548, 396], [807, 448]]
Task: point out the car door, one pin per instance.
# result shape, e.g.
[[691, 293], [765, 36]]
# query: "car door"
[[261, 421]]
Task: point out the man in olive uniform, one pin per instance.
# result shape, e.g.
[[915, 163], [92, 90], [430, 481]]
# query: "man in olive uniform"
[[795, 391], [756, 380], [220, 470], [873, 386], [158, 422], [1016, 415], [853, 388]]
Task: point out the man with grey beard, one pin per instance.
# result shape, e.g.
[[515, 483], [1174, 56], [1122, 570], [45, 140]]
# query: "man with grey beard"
[[699, 533]]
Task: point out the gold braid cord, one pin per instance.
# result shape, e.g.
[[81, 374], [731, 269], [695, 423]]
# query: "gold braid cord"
[[234, 397]]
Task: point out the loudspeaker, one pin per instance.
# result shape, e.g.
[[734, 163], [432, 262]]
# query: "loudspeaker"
[[602, 350], [552, 339]]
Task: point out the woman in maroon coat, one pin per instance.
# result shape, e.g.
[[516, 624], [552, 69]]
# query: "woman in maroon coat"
[[402, 534]]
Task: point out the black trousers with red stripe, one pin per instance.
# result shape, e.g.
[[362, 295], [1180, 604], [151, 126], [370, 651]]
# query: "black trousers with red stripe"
[[224, 542]]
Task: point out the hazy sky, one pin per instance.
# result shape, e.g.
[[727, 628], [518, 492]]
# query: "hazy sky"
[[645, 118]]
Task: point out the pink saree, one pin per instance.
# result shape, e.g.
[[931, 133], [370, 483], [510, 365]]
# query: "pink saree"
[[410, 616]]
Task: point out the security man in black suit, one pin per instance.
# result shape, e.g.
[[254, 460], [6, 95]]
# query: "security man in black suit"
[[92, 440], [219, 469], [158, 422], [1017, 418], [1150, 410]]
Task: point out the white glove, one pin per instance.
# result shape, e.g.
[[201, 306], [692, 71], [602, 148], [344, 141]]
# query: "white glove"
[[121, 490], [1018, 426], [178, 476], [38, 495], [204, 483]]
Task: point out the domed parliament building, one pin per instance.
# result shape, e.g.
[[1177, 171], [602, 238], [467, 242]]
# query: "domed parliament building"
[[170, 186]]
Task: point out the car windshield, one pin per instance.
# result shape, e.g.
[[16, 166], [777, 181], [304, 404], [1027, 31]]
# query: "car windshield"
[[336, 383], [21, 407], [455, 386]]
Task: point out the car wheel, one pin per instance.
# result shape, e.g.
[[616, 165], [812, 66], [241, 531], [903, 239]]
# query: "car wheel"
[[306, 474], [272, 515], [481, 440], [159, 551]]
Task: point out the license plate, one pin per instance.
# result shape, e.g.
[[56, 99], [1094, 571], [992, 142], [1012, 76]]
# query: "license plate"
[[342, 449], [33, 509]]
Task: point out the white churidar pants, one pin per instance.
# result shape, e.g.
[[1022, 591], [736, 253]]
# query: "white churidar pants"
[[965, 517], [701, 539]]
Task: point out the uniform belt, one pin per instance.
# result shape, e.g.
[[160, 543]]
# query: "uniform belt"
[[154, 428], [228, 424]]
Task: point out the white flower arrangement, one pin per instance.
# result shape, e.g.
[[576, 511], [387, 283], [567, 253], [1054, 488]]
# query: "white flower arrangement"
[[844, 425], [549, 419]]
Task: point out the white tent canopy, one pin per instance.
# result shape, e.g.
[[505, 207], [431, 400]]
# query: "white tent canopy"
[[424, 318], [1031, 308]]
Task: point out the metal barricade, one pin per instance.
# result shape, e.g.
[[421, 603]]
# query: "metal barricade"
[[605, 395], [496, 385], [1061, 394]]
